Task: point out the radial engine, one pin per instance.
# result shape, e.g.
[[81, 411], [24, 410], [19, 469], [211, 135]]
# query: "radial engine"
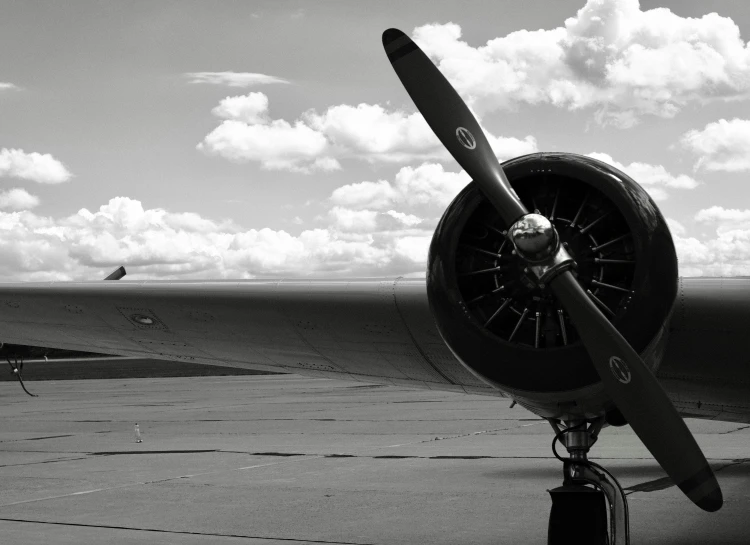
[[510, 331]]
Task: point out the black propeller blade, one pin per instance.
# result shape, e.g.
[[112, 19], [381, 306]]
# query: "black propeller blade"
[[451, 121], [626, 378], [639, 397]]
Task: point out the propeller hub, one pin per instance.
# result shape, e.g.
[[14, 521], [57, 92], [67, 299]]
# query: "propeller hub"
[[534, 238]]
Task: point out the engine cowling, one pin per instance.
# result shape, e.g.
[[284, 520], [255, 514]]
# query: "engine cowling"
[[509, 330]]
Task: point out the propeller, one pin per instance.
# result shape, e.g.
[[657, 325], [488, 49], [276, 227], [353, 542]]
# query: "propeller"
[[626, 379]]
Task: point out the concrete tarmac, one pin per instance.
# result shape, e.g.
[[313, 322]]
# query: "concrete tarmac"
[[288, 460]]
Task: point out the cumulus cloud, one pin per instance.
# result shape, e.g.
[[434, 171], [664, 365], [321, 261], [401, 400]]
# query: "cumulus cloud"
[[156, 243], [345, 219], [408, 220], [654, 178], [318, 141], [277, 145], [426, 185], [721, 146], [249, 134], [374, 134], [413, 248], [378, 194], [371, 132], [17, 199], [612, 56], [250, 108], [726, 252], [313, 251], [385, 230], [42, 168], [232, 79], [348, 220], [385, 234], [725, 218]]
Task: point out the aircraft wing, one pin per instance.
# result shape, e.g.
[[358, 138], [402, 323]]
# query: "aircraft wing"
[[367, 330]]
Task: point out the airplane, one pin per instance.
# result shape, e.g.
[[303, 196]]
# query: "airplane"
[[551, 280]]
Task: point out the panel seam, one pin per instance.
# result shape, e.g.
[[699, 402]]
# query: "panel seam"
[[414, 340]]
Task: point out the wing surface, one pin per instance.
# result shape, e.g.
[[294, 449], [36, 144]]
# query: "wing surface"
[[368, 330]]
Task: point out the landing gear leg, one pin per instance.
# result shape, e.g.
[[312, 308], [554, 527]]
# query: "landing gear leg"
[[589, 496]]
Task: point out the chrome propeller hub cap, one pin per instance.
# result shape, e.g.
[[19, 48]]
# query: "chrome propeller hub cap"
[[534, 238]]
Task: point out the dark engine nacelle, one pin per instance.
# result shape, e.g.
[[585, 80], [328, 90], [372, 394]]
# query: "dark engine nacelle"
[[512, 332]]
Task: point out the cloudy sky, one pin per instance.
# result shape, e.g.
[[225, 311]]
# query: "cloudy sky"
[[225, 139]]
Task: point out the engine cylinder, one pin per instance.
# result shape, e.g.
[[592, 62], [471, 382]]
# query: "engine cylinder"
[[511, 331]]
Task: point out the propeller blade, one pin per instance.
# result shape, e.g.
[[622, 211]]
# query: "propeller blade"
[[626, 378], [451, 121], [639, 397]]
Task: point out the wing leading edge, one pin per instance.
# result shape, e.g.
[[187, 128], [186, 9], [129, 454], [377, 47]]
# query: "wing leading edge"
[[377, 331], [368, 330]]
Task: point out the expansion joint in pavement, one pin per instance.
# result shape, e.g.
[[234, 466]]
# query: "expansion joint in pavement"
[[178, 532]]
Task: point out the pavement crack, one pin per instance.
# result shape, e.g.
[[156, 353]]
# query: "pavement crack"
[[128, 452], [36, 438], [384, 456], [738, 461], [180, 532], [157, 481], [283, 454], [416, 401], [341, 420], [45, 462], [735, 430]]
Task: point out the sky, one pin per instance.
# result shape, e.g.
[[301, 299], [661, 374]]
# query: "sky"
[[229, 139]]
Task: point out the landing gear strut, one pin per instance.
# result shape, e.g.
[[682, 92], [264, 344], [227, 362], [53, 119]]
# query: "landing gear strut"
[[589, 496]]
